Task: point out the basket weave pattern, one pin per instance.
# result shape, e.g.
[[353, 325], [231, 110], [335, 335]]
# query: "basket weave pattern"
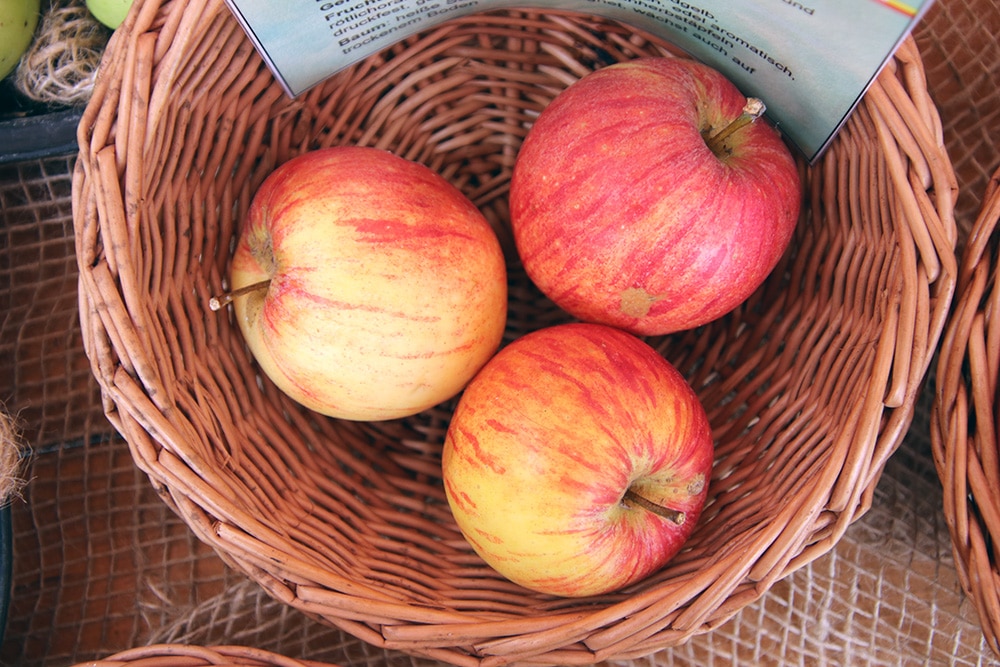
[[809, 386], [964, 436], [198, 656]]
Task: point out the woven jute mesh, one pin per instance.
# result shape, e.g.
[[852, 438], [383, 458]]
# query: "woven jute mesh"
[[961, 54], [102, 565], [887, 595], [964, 420], [94, 576], [96, 552], [810, 385]]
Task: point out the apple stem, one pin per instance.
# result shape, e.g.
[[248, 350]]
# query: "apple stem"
[[752, 110], [677, 516], [217, 302]]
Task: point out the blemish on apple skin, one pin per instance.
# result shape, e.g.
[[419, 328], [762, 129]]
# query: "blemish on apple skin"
[[696, 485], [262, 250], [636, 302]]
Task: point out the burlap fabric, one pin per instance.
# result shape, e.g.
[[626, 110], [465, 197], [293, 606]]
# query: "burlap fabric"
[[961, 53], [101, 565]]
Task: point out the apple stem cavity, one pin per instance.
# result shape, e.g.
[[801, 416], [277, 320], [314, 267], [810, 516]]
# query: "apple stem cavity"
[[752, 110], [676, 516], [217, 302]]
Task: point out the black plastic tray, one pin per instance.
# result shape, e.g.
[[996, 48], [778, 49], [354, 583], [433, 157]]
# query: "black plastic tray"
[[31, 130], [38, 136]]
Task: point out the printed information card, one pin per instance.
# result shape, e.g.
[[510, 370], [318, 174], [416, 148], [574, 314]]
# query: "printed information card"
[[811, 61]]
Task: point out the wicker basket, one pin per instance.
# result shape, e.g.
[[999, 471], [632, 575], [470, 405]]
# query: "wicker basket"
[[810, 385], [964, 435], [182, 655]]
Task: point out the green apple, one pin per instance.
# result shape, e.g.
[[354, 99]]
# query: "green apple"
[[18, 20], [109, 12]]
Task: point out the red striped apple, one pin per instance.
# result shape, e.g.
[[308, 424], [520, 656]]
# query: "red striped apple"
[[367, 287], [577, 460], [645, 197]]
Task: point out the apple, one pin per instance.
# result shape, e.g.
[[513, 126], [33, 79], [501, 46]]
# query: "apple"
[[18, 20], [577, 460], [646, 197], [367, 286], [111, 13]]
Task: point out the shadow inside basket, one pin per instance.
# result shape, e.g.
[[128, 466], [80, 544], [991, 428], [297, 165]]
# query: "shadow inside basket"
[[348, 520]]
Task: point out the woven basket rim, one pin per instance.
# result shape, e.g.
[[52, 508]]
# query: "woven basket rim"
[[196, 656], [964, 439], [125, 128]]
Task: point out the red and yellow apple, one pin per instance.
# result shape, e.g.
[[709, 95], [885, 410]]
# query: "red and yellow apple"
[[367, 286], [577, 460], [645, 197]]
